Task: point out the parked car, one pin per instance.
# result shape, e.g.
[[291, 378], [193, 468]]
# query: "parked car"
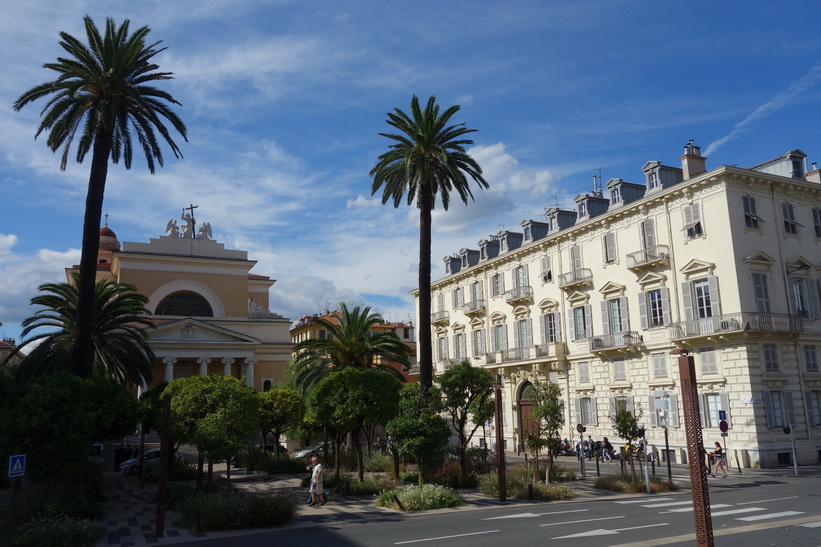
[[318, 447], [150, 459]]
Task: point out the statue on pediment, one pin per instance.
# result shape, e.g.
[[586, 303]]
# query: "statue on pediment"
[[171, 229]]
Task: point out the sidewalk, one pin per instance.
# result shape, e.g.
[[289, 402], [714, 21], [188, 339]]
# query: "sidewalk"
[[131, 520]]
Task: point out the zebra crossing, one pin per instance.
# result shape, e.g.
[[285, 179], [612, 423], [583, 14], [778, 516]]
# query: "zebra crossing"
[[671, 505]]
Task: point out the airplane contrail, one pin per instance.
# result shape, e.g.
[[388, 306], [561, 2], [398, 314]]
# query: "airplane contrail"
[[779, 101]]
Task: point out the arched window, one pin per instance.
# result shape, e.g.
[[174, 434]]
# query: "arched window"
[[185, 303], [527, 393]]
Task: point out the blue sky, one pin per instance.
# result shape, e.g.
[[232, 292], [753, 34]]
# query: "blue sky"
[[284, 101]]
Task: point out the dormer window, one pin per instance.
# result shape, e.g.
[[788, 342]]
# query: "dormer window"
[[653, 181], [615, 196], [582, 209], [503, 244], [527, 233]]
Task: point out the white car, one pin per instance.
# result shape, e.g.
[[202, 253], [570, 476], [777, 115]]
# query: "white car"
[[315, 448], [150, 459]]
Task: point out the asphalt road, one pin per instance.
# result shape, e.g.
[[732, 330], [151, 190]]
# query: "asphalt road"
[[746, 511]]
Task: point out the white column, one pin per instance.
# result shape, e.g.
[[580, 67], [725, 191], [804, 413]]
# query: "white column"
[[203, 361], [169, 368], [226, 365], [249, 371]]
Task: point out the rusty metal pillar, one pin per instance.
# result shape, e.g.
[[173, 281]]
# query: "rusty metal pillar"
[[695, 451]]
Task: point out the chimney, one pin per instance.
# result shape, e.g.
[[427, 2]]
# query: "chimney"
[[815, 174], [692, 162]]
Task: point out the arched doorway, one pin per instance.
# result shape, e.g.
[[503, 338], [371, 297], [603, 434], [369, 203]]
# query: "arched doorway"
[[527, 422]]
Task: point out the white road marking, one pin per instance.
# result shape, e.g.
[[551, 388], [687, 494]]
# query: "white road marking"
[[444, 537], [643, 500], [531, 515], [580, 521], [738, 511], [603, 532], [690, 509], [816, 524], [771, 516], [655, 505], [765, 501]]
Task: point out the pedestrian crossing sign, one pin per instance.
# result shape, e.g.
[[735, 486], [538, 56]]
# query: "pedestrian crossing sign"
[[17, 465]]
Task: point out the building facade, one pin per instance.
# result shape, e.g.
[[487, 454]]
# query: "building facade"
[[211, 313], [724, 264]]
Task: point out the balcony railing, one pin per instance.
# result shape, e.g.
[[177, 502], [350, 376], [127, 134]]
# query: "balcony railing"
[[653, 254], [614, 340], [737, 322], [576, 277], [476, 306], [439, 317], [519, 293]]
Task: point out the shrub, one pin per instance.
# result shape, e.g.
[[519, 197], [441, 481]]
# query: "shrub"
[[285, 465], [516, 486], [232, 509], [626, 483], [176, 494], [59, 531], [179, 472], [421, 498], [562, 474], [347, 485], [379, 462], [41, 502]]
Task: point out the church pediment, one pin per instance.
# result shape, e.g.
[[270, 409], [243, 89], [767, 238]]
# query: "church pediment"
[[193, 330]]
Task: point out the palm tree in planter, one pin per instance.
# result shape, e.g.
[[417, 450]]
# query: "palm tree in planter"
[[350, 342], [119, 332], [427, 159], [103, 95]]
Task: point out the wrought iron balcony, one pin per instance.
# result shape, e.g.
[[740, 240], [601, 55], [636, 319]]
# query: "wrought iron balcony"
[[583, 276], [519, 293], [614, 340], [737, 322], [657, 254], [474, 307], [439, 317]]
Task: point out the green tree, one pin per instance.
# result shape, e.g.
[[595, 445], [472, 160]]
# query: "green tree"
[[104, 94], [216, 413], [352, 396], [420, 432], [466, 397], [427, 159], [119, 332], [548, 410], [350, 343], [281, 410], [59, 416], [626, 424]]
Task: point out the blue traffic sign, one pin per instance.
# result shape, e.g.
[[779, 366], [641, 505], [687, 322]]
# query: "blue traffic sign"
[[17, 465], [722, 414], [723, 426]]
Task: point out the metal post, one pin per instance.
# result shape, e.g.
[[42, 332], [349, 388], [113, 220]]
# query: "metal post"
[[794, 455], [581, 453], [695, 449], [163, 463], [646, 467], [667, 454], [500, 442]]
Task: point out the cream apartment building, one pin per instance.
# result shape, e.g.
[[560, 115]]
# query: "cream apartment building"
[[723, 263]]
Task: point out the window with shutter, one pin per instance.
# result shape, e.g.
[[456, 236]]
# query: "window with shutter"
[[751, 218], [692, 221]]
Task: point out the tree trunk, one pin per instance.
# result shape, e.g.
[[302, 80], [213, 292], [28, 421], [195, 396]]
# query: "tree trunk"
[[82, 352], [423, 340], [359, 459], [200, 465]]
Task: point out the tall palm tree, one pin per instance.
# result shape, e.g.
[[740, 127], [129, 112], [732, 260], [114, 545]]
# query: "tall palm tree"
[[350, 343], [427, 159], [119, 335], [103, 94]]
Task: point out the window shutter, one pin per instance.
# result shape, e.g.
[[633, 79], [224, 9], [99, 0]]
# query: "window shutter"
[[665, 306], [687, 300], [543, 327], [481, 294], [529, 324], [501, 283], [482, 344], [526, 279], [571, 325], [715, 299], [643, 310], [610, 246], [768, 409], [812, 292], [463, 346], [788, 406], [516, 334], [453, 298], [725, 406], [810, 402], [702, 403], [557, 322], [625, 317], [578, 404], [605, 317], [649, 234], [456, 345], [654, 414], [672, 414], [504, 332], [594, 418], [588, 321], [447, 351], [493, 341]]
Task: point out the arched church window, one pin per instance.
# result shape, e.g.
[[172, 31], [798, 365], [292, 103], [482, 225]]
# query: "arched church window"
[[185, 303]]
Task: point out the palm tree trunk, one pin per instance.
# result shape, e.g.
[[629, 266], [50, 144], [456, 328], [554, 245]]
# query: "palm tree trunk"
[[423, 336], [82, 352]]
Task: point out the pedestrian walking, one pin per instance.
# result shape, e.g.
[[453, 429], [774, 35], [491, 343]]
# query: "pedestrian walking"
[[316, 482], [718, 458]]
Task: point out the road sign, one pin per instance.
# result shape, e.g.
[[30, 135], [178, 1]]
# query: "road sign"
[[724, 434], [17, 465], [580, 428], [722, 426], [722, 414]]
